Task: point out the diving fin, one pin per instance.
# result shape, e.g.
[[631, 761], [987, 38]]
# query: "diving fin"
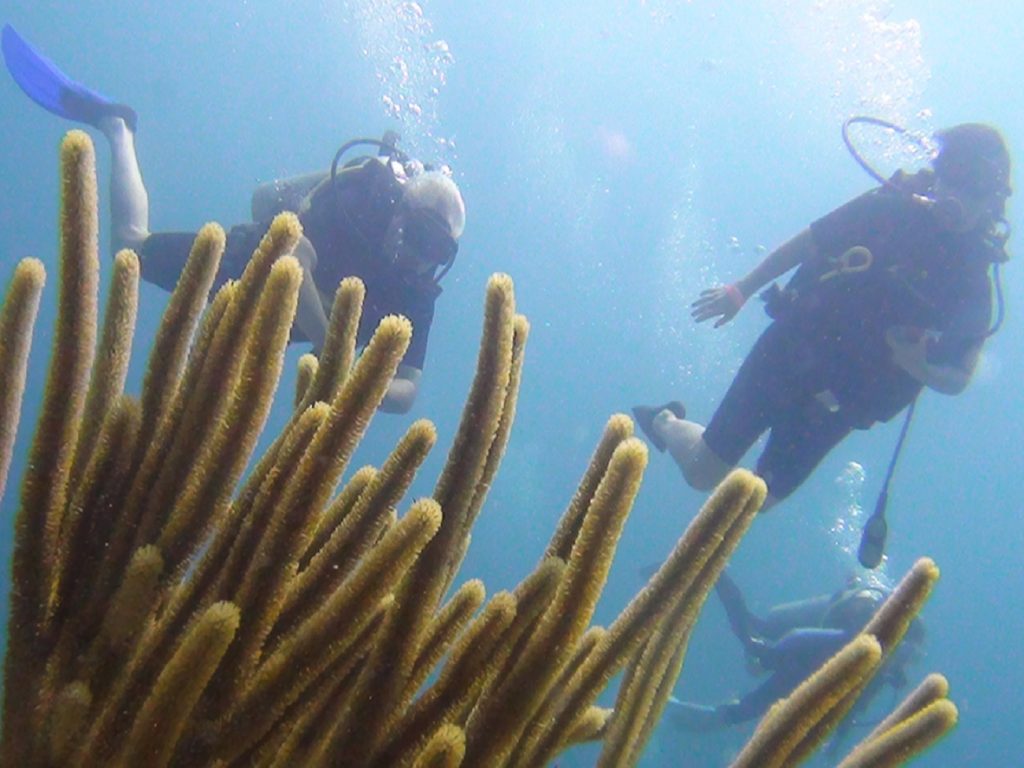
[[645, 414], [44, 83]]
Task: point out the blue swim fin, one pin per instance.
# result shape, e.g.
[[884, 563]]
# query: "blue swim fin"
[[44, 83]]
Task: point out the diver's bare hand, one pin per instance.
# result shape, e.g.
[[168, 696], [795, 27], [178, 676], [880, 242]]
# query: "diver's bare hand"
[[909, 347], [723, 302]]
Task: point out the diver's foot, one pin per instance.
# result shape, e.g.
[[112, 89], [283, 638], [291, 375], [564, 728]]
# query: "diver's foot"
[[117, 131], [693, 717], [91, 108], [646, 414]]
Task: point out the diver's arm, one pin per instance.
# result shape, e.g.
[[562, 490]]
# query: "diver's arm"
[[310, 316], [402, 391], [802, 647], [910, 352], [785, 617], [724, 302], [790, 254]]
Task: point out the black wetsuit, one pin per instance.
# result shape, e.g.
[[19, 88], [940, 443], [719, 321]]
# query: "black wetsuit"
[[791, 642], [829, 334], [346, 226]]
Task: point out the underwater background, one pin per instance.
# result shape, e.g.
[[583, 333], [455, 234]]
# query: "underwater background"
[[617, 157]]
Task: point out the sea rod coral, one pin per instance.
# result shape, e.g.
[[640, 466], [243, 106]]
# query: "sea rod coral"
[[171, 608]]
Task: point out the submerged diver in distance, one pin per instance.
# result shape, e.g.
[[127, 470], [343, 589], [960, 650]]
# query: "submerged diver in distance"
[[791, 642], [891, 294], [385, 219]]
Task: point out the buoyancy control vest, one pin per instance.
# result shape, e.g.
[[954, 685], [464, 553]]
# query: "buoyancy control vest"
[[894, 267]]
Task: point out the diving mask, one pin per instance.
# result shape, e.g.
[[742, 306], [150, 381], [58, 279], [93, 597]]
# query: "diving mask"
[[425, 232], [959, 205]]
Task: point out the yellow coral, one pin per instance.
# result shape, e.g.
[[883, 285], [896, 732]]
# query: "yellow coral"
[[789, 721], [899, 743], [163, 616], [16, 321]]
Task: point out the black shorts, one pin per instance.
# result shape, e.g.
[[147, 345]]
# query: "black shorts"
[[163, 255], [775, 390]]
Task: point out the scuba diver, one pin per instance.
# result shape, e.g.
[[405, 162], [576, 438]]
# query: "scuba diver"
[[891, 294], [385, 219], [791, 642]]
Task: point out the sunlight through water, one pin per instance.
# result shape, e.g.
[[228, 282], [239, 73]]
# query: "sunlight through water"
[[411, 65]]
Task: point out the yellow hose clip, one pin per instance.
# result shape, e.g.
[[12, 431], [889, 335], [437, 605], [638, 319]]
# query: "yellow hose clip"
[[856, 259]]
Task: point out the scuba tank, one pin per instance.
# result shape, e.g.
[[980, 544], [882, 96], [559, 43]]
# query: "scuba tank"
[[292, 194]]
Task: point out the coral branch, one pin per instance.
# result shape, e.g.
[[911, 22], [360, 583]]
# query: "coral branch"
[[790, 720], [45, 490], [906, 739], [160, 615], [16, 321]]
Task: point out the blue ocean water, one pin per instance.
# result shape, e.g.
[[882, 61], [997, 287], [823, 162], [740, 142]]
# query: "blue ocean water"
[[617, 157]]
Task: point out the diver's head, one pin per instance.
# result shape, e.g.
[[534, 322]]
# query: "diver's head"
[[428, 220], [972, 177], [853, 607]]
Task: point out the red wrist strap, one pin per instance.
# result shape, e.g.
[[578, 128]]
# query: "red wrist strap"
[[736, 295]]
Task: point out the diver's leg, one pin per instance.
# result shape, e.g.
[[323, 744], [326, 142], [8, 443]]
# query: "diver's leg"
[[763, 391], [761, 387], [756, 703], [744, 624], [707, 454], [797, 443], [701, 717], [129, 201], [701, 466], [310, 316], [695, 717]]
